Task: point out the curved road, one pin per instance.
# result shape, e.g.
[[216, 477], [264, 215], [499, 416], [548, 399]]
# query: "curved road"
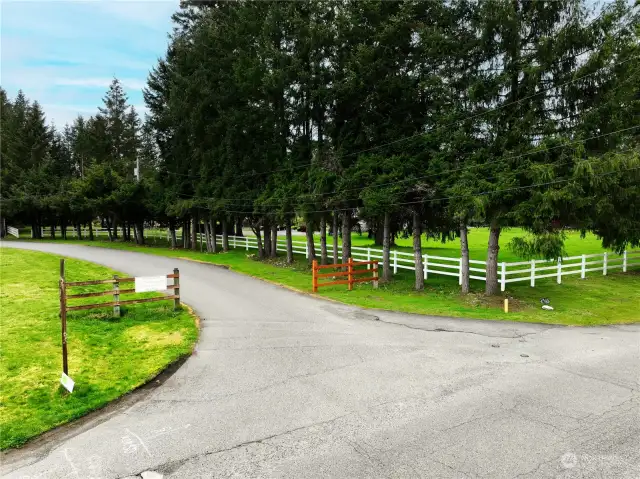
[[285, 385]]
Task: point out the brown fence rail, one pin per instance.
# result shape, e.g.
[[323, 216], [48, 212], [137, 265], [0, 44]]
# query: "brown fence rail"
[[372, 268], [115, 304]]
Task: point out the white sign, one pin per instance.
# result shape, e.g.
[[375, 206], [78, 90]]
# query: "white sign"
[[151, 283], [67, 382]]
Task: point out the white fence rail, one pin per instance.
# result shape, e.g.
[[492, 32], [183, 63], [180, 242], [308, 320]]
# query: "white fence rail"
[[13, 231], [508, 272], [441, 265]]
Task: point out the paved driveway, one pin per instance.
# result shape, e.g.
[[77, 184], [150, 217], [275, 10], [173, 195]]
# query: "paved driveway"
[[285, 385]]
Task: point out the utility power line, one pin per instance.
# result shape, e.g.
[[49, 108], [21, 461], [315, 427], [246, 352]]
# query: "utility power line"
[[453, 170], [477, 115], [471, 195]]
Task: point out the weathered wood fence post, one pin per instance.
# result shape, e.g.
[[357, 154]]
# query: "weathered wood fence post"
[[116, 296], [176, 288], [63, 317]]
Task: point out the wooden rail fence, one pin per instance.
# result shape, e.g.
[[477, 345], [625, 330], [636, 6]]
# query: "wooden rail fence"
[[372, 268], [115, 304]]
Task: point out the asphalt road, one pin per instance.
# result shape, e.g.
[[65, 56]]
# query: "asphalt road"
[[285, 385]]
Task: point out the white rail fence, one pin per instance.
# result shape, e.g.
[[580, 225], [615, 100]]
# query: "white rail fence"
[[509, 272], [13, 231]]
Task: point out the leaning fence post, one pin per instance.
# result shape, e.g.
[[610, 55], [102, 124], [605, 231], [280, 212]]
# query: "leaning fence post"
[[116, 296], [559, 270], [176, 288], [624, 261], [395, 261], [503, 276], [604, 263], [63, 317], [314, 275], [533, 273], [583, 267], [425, 262], [350, 272]]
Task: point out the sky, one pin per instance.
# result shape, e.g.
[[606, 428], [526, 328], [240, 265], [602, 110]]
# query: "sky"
[[65, 53]]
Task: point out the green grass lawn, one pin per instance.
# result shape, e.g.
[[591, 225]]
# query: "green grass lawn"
[[596, 300], [107, 357], [478, 238]]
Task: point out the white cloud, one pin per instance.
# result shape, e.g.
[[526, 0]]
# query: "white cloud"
[[130, 83]]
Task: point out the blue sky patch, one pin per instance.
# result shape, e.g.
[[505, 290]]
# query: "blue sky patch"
[[65, 53]]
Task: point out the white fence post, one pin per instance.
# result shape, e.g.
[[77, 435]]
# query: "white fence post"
[[583, 270], [368, 256], [503, 276], [306, 250], [425, 262], [559, 270], [460, 273], [246, 242], [604, 263], [533, 273], [234, 241], [624, 261], [395, 261]]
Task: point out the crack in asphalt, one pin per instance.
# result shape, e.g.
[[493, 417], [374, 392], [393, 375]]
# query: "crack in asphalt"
[[445, 330]]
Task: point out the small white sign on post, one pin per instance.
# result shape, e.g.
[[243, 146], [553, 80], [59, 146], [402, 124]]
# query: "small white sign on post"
[[67, 382], [150, 283]]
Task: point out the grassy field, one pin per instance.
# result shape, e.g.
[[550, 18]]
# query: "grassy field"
[[107, 357], [478, 238], [596, 300]]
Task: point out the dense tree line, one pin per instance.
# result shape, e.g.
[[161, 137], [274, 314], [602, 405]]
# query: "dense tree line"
[[418, 118]]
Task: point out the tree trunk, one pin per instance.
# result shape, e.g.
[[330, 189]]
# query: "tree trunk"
[[194, 231], [90, 230], [491, 286], [386, 248], [63, 229], [311, 248], [464, 254], [378, 234], [172, 235], [52, 233], [114, 225], [323, 240], [267, 239], [238, 227], [289, 241], [417, 251], [225, 235], [135, 234], [125, 237], [79, 230], [274, 240], [256, 231], [207, 235], [346, 236], [335, 237], [140, 226], [214, 235]]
